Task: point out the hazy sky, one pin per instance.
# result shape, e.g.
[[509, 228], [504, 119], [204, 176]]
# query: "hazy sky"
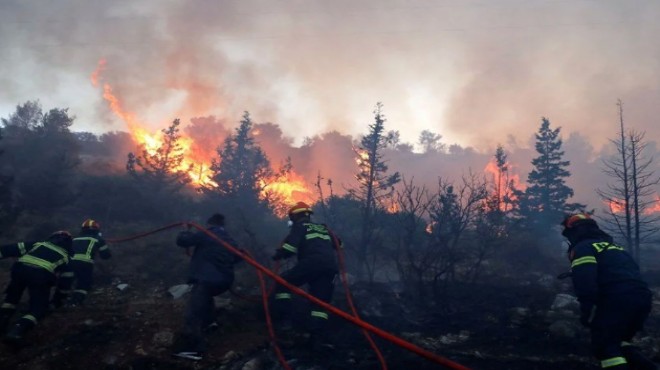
[[477, 72]]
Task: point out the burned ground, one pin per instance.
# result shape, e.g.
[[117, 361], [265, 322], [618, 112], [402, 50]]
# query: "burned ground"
[[499, 325]]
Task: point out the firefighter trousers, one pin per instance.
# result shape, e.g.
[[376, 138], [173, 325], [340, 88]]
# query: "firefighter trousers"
[[84, 272], [615, 323], [200, 312], [320, 279], [38, 282]]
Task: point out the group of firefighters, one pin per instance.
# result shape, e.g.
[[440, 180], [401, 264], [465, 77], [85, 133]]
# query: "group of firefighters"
[[614, 299]]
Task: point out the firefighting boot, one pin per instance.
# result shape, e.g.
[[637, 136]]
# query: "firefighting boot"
[[5, 318], [18, 331], [636, 360]]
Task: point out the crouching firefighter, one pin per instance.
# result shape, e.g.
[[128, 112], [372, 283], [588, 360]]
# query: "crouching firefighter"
[[38, 268], [211, 274], [614, 300], [86, 247], [314, 245]]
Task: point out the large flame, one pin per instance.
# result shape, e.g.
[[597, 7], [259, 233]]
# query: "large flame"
[[197, 161], [506, 181]]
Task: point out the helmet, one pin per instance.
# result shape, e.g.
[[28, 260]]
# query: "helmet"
[[91, 224], [300, 208], [62, 238], [574, 225], [577, 219]]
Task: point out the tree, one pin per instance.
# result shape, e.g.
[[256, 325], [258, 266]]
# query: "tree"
[[631, 192], [430, 141], [374, 186], [7, 210], [544, 202], [42, 156], [161, 169]]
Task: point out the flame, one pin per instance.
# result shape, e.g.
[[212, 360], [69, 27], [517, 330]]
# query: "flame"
[[507, 181], [618, 206], [288, 189]]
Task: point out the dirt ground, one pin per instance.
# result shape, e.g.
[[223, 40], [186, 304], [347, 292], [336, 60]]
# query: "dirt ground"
[[136, 328]]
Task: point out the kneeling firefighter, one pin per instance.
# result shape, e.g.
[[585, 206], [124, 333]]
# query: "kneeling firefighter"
[[614, 299], [38, 268]]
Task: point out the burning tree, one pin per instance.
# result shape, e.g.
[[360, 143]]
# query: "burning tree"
[[243, 172], [544, 202], [630, 196], [374, 186], [161, 166]]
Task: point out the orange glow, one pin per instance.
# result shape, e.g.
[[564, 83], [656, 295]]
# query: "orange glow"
[[655, 207], [618, 206], [197, 159], [288, 190], [506, 181]]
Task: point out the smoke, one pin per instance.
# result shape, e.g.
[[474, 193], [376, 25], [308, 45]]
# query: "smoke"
[[478, 73]]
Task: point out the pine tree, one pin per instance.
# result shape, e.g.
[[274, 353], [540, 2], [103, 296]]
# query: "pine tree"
[[374, 184], [161, 169], [544, 202], [243, 169]]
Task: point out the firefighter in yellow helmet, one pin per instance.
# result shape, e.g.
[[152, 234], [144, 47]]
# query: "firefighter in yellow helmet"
[[86, 246], [313, 244], [614, 299], [38, 268]]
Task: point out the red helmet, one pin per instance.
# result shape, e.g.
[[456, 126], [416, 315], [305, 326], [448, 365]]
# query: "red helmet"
[[91, 224], [574, 220], [300, 207]]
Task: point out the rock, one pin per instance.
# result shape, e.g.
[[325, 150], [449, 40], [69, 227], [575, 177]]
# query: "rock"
[[563, 329], [163, 338], [122, 286], [546, 281], [225, 303], [89, 322], [565, 302], [518, 315], [254, 364], [462, 336], [229, 357], [178, 291], [110, 360]]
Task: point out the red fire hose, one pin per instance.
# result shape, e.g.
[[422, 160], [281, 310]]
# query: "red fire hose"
[[294, 289]]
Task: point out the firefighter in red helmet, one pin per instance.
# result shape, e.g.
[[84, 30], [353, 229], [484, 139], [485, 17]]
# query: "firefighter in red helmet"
[[614, 300], [313, 244], [86, 246], [39, 267]]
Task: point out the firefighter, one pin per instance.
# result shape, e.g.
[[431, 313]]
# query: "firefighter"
[[314, 245], [614, 300], [211, 274], [85, 248], [38, 268]]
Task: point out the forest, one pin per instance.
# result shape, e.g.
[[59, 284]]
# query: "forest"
[[461, 260]]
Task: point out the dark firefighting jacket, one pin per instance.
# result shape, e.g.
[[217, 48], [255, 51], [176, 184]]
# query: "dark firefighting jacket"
[[211, 262], [88, 245], [310, 242], [44, 256], [602, 271]]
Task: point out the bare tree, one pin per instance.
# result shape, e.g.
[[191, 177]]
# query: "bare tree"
[[412, 256], [630, 193]]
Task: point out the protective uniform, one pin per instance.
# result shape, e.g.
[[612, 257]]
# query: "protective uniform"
[[211, 274], [614, 300], [86, 247], [38, 268], [314, 245]]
